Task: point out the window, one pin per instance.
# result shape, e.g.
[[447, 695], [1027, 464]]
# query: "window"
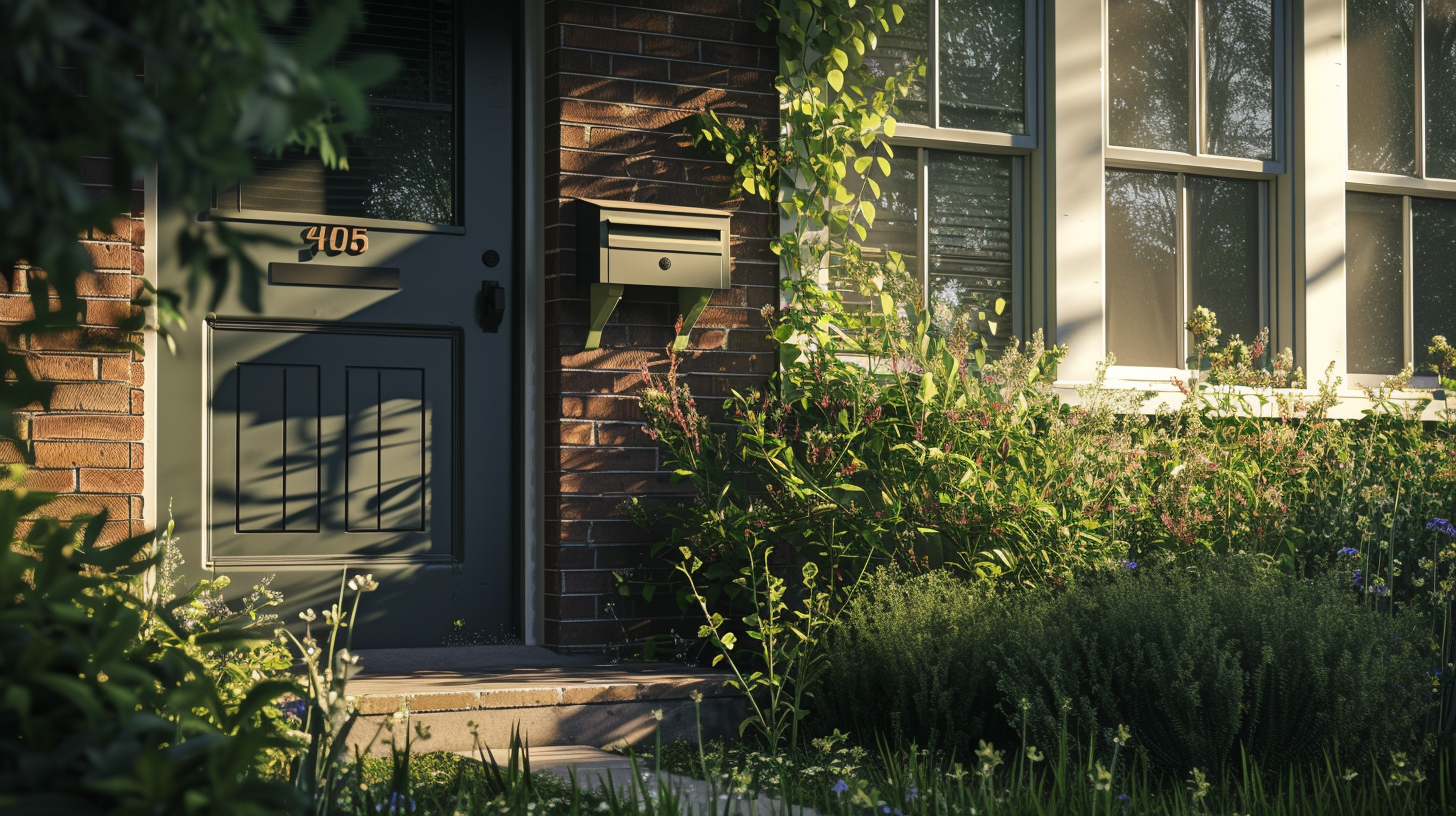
[[403, 166], [1402, 83], [1193, 142], [1400, 279], [953, 204], [1400, 221], [1174, 242], [968, 233]]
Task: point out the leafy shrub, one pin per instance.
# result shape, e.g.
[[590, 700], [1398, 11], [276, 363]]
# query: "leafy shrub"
[[96, 717], [1199, 662], [912, 659]]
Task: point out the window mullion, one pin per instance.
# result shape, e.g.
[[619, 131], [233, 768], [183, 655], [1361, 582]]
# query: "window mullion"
[[922, 235], [1196, 92], [1407, 265], [1180, 258], [1420, 83], [932, 70]]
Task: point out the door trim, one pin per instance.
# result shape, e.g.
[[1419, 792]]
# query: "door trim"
[[531, 306]]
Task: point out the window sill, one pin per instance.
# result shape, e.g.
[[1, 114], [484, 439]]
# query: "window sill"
[[1166, 396]]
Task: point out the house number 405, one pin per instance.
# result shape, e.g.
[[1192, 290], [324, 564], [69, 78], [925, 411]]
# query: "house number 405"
[[333, 240]]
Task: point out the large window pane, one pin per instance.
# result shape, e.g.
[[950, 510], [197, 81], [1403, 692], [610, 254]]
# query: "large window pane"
[[1147, 54], [402, 166], [1433, 258], [1374, 284], [970, 241], [983, 65], [1382, 85], [1239, 65], [1226, 252], [897, 49], [1440, 79], [1142, 268]]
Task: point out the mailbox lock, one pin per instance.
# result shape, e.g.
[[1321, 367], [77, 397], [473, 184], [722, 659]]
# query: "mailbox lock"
[[664, 264]]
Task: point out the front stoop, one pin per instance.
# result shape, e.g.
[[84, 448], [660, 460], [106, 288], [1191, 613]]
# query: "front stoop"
[[555, 699]]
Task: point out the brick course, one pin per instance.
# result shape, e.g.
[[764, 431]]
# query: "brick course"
[[622, 79]]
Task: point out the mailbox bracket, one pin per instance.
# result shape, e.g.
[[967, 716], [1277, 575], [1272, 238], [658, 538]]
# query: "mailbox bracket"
[[604, 299], [690, 305]]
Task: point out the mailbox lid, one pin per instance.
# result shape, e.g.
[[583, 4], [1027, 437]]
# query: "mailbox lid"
[[646, 266]]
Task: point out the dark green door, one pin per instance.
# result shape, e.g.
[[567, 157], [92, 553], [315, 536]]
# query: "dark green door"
[[364, 419]]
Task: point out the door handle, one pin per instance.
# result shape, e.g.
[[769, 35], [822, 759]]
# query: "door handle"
[[490, 306]]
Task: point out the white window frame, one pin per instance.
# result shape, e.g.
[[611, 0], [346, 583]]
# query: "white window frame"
[[1418, 185], [1198, 162]]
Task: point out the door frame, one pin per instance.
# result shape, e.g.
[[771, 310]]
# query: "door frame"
[[529, 303]]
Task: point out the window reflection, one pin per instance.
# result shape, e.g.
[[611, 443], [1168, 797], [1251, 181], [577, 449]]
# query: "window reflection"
[[1142, 268], [983, 65], [1226, 252], [1374, 284], [897, 49], [1433, 268], [1440, 79], [1380, 37], [1239, 77], [1147, 57]]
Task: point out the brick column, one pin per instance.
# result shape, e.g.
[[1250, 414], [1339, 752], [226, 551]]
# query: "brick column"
[[621, 79], [88, 442]]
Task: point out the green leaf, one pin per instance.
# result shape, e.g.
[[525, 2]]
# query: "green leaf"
[[898, 12], [868, 208], [861, 163], [840, 58], [890, 126], [836, 79], [884, 165]]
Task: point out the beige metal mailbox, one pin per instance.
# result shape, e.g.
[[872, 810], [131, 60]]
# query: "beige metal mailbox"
[[623, 242]]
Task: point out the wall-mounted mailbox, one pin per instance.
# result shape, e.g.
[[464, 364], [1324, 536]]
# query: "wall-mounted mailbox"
[[623, 242]]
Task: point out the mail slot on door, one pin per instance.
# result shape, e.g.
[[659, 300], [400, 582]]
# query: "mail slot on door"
[[623, 242], [652, 245]]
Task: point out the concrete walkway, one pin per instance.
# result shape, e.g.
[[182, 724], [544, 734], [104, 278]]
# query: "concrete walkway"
[[594, 769]]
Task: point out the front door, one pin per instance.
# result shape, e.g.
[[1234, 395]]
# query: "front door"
[[364, 419]]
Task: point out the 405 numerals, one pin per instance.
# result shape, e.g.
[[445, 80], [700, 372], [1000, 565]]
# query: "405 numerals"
[[334, 240]]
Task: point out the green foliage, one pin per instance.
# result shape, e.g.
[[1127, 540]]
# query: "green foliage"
[[912, 660], [218, 88], [1201, 661], [95, 716]]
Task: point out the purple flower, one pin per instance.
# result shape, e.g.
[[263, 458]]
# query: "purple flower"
[[913, 793], [1132, 565], [1359, 578], [1350, 552], [1380, 589], [1441, 525], [840, 787], [1122, 797]]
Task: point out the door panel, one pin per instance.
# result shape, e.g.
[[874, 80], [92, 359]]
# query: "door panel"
[[333, 443], [355, 427]]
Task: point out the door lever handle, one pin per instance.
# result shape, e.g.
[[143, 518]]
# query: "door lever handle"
[[490, 306]]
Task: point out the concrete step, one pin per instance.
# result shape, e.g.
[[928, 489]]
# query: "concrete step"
[[554, 699]]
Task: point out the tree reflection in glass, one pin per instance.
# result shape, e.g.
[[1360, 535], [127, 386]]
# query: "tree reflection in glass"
[[1374, 284], [1380, 41], [1239, 77], [1226, 252], [896, 214], [1147, 55], [983, 65], [1440, 78], [970, 242], [1142, 268]]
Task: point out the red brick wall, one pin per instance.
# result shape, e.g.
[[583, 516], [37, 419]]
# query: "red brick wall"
[[621, 79], [88, 442]]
